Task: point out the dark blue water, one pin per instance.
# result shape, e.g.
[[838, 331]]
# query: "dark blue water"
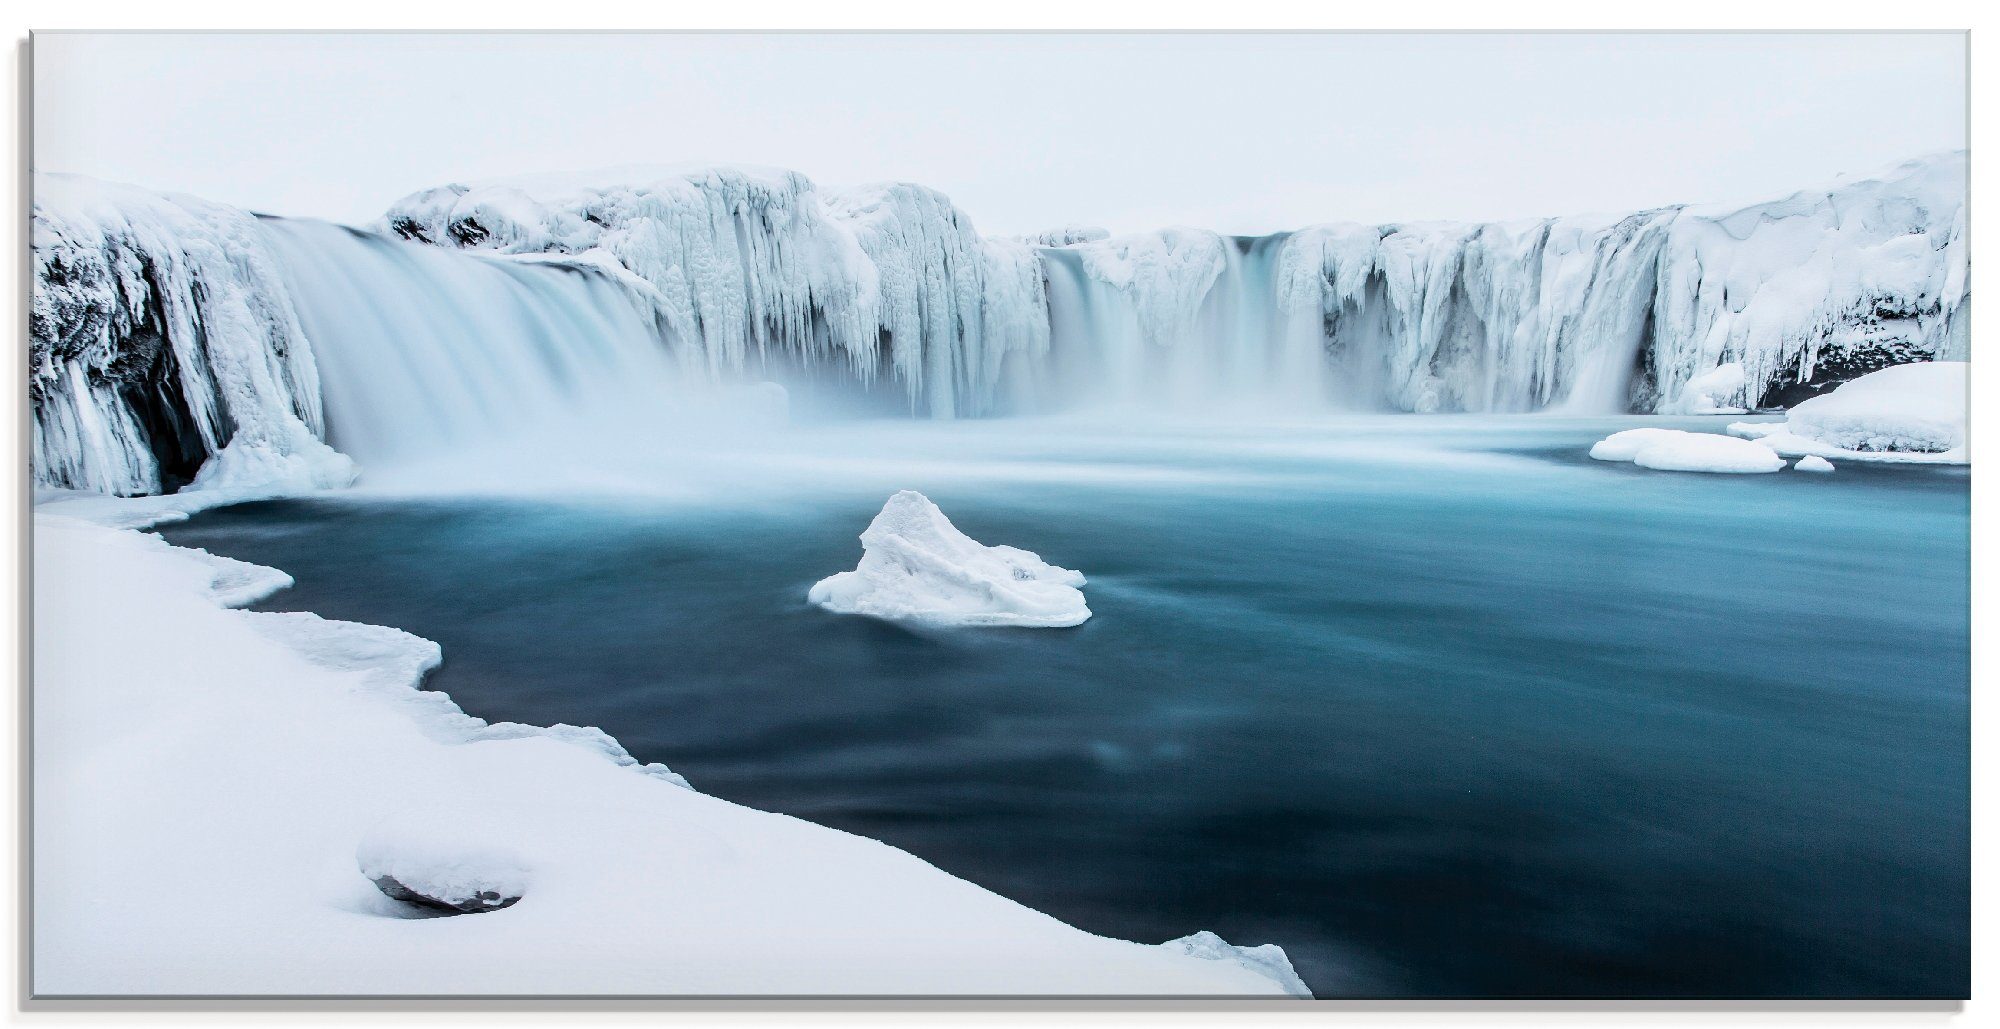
[[1538, 728]]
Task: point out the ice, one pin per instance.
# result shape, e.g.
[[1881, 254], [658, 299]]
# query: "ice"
[[748, 266], [1824, 282], [1705, 393], [170, 335], [1813, 463], [1267, 960], [1625, 445], [1676, 450], [161, 333], [210, 800], [1910, 414], [916, 566], [1708, 452]]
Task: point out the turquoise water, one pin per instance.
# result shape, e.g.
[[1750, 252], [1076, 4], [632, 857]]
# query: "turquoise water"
[[1442, 707]]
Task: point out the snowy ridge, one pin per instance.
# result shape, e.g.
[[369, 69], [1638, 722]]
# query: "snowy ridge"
[[161, 334], [248, 786]]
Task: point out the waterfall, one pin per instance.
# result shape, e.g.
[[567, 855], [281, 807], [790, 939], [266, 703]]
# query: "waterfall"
[[1187, 322], [177, 343], [424, 351]]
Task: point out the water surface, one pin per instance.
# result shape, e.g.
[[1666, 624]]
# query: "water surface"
[[1447, 712]]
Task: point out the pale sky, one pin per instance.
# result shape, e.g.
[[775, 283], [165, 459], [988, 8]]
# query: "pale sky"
[[1239, 133]]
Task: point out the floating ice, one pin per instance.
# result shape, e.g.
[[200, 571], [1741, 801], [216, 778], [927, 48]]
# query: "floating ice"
[[1813, 463], [1708, 452], [916, 566], [1624, 446], [1675, 450]]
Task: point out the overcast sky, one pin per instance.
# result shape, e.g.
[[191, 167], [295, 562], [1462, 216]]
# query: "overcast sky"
[[1241, 133]]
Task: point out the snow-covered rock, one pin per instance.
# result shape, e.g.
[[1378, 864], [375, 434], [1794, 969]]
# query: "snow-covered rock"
[[418, 864], [210, 804], [1813, 463], [1911, 414], [916, 566], [161, 337], [1676, 450]]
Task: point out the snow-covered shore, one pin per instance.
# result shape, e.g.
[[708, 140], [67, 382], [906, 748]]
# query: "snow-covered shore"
[[204, 779]]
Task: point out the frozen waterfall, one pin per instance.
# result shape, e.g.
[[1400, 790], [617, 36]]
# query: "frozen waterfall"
[[177, 343], [425, 352]]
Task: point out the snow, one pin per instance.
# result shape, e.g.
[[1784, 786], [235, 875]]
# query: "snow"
[[178, 300], [208, 800], [1813, 463], [1676, 450], [916, 566], [1911, 414]]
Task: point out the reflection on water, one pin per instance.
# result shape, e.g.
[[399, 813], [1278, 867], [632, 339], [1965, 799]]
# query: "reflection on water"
[[1466, 715]]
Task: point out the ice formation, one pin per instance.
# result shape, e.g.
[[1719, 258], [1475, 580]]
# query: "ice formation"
[[1813, 463], [160, 336], [235, 798], [1675, 450], [1911, 414], [757, 269], [171, 347], [916, 566]]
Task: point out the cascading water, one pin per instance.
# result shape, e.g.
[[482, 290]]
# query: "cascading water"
[[1197, 327], [424, 351], [177, 343]]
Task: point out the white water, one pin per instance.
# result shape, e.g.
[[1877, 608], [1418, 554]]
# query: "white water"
[[423, 351]]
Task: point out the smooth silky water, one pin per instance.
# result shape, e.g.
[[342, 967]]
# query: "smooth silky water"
[[1440, 705]]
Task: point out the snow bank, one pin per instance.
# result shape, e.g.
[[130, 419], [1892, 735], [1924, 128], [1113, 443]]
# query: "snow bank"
[[917, 566], [209, 801], [1913, 413], [161, 333], [1674, 450]]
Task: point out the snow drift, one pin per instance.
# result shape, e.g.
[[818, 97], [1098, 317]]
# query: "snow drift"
[[212, 826], [916, 566]]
